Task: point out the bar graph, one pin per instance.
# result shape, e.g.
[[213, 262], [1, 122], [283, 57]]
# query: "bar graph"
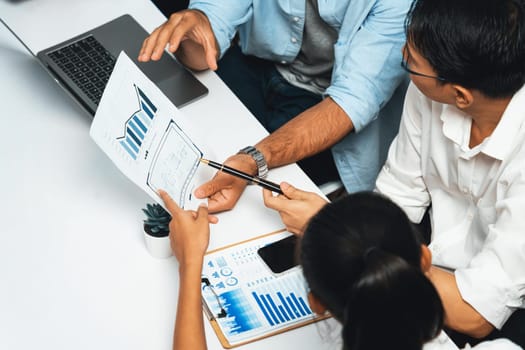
[[259, 303], [278, 308], [137, 125]]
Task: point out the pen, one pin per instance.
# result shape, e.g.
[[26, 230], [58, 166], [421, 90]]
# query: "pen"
[[255, 179]]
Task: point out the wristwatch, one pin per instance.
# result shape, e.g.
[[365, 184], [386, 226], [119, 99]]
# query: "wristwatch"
[[262, 167]]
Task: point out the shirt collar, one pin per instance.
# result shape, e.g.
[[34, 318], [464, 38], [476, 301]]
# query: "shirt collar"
[[502, 140], [456, 127]]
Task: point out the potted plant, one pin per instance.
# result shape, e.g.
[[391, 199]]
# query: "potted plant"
[[156, 230], [157, 220]]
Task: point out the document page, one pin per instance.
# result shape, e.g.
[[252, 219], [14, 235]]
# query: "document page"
[[147, 137], [256, 301]]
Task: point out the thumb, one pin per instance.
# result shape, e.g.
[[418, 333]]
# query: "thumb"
[[292, 192], [202, 213], [213, 186]]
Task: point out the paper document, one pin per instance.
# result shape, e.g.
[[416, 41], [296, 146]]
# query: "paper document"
[[257, 302], [147, 137]]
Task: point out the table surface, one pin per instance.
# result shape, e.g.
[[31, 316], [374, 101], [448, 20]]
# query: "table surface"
[[73, 266]]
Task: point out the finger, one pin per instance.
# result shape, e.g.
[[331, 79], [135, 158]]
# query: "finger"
[[210, 50], [202, 213], [267, 196], [165, 36], [219, 203], [177, 35], [148, 45], [214, 186], [170, 204], [274, 202], [212, 219], [292, 192]]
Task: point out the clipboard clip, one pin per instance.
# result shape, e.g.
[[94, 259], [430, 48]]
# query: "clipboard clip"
[[207, 310]]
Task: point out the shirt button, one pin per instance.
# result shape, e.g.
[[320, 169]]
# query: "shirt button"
[[296, 19], [465, 190], [294, 40], [283, 62]]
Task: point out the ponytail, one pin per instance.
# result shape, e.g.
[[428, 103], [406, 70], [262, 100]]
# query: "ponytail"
[[392, 305]]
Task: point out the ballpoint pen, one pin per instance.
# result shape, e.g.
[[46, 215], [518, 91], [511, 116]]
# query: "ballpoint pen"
[[254, 179]]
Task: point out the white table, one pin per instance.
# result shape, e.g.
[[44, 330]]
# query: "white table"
[[74, 270]]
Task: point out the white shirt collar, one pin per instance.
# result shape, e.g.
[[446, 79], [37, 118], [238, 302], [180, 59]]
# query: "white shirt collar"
[[456, 127]]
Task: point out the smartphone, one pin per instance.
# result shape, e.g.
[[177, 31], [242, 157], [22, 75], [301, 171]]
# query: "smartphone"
[[280, 255]]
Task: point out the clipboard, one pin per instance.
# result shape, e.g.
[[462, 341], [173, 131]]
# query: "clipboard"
[[245, 301]]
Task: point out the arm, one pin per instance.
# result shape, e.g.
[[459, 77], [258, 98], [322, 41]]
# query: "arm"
[[401, 178], [189, 324], [312, 131], [189, 237], [459, 315], [366, 72]]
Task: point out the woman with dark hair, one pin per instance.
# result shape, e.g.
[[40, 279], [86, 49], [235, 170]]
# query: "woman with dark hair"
[[363, 263]]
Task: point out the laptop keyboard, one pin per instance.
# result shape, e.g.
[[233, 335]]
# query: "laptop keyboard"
[[88, 64]]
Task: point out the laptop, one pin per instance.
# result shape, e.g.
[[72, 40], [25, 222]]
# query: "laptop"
[[82, 65]]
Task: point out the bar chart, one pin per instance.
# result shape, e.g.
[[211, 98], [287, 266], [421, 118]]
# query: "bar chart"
[[137, 125]]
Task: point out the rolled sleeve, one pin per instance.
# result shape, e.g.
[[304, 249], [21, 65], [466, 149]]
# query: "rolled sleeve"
[[494, 281], [367, 70], [490, 291], [401, 178]]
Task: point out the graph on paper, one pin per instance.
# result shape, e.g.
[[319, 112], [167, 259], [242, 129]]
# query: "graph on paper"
[[147, 137], [257, 301], [136, 127], [175, 161]]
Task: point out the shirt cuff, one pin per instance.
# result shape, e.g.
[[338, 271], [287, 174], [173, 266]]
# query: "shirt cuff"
[[489, 292]]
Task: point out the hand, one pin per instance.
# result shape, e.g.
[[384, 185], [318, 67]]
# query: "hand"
[[189, 29], [224, 190], [189, 231], [296, 207]]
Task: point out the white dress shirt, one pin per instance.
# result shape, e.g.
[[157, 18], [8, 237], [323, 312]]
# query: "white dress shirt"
[[477, 197]]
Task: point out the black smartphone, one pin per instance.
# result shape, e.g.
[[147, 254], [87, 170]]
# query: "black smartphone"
[[280, 255]]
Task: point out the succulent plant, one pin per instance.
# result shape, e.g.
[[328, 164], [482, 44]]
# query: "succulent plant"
[[157, 220]]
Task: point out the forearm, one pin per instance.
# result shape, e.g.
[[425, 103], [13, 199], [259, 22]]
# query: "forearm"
[[459, 315], [311, 132], [189, 324]]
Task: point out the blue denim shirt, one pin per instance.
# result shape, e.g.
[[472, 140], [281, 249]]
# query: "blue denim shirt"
[[366, 68]]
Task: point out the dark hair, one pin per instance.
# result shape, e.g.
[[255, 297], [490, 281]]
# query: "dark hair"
[[361, 258], [479, 44]]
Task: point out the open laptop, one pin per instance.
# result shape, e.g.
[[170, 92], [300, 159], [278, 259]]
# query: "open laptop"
[[82, 65]]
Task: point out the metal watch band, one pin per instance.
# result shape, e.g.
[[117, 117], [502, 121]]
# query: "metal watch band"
[[262, 167]]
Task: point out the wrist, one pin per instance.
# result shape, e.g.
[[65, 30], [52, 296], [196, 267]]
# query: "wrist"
[[258, 159], [190, 265]]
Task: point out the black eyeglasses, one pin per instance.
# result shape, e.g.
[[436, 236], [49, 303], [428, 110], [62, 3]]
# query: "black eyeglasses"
[[207, 283], [404, 65]]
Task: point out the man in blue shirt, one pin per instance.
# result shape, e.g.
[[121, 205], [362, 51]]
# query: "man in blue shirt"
[[326, 70]]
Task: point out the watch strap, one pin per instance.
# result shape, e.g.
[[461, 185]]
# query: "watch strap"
[[262, 166]]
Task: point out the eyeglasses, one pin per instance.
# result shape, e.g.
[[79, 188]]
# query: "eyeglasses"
[[404, 65], [207, 283]]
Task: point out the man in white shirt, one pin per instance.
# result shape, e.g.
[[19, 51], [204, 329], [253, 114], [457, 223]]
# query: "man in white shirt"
[[461, 150]]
